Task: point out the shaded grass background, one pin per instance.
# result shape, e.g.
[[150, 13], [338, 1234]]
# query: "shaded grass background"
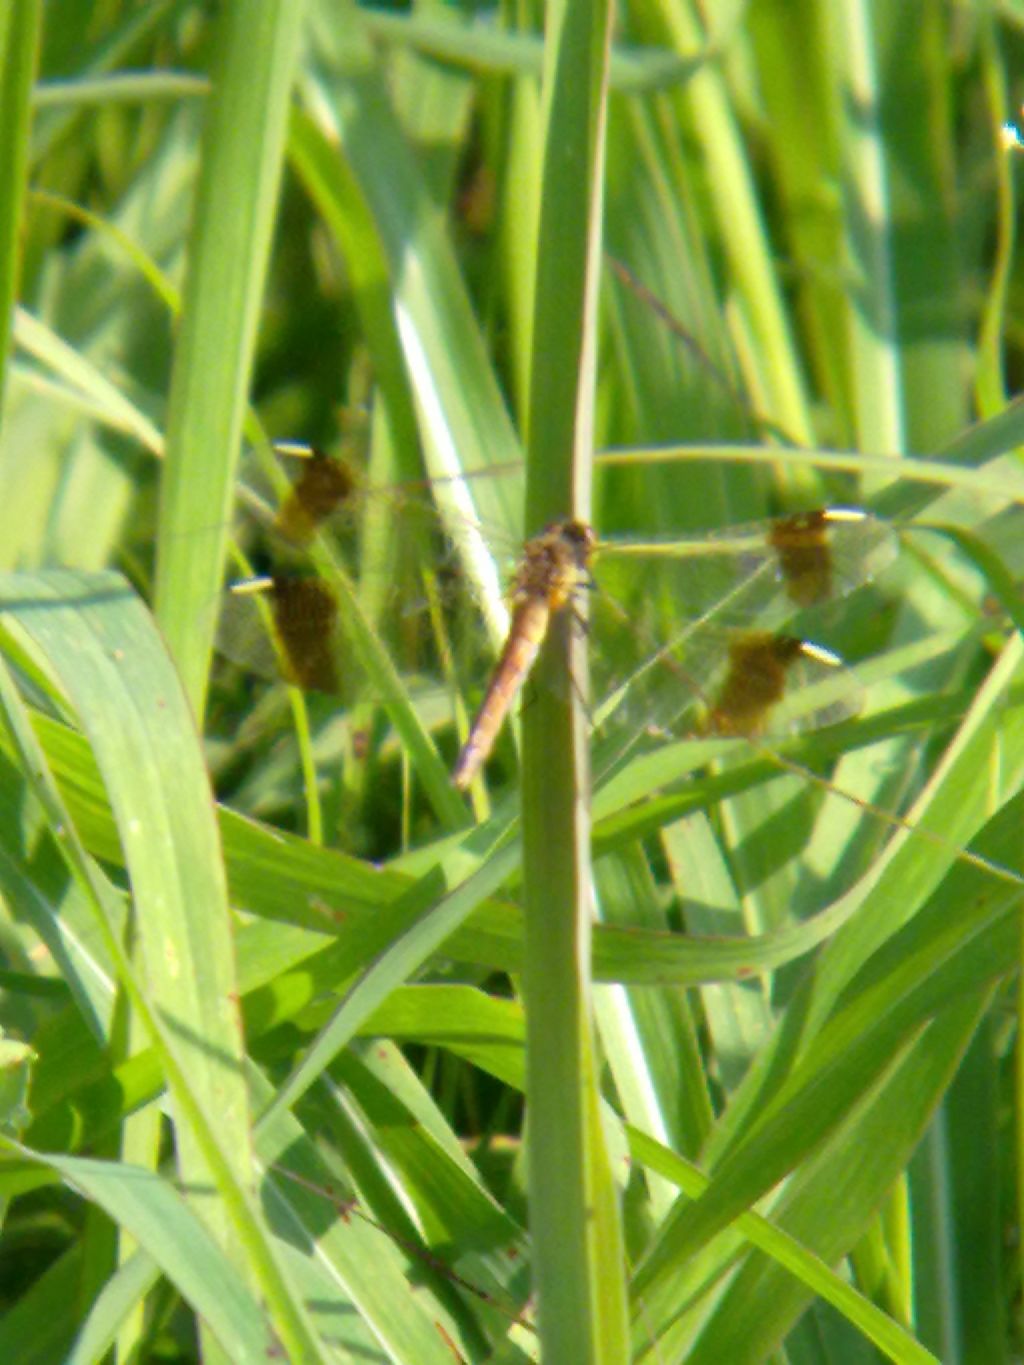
[[816, 194]]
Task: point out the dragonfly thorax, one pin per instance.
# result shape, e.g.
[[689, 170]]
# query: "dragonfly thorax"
[[553, 564]]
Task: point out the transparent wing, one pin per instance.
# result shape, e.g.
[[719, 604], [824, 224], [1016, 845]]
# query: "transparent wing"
[[354, 639], [382, 537], [364, 588], [709, 614], [762, 573], [283, 627], [685, 632]]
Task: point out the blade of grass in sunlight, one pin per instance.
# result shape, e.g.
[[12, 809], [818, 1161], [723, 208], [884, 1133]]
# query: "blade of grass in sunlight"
[[240, 170], [102, 647], [462, 416], [170, 1233], [19, 39], [805, 949]]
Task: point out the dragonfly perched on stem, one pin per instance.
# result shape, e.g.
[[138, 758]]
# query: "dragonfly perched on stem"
[[798, 560], [691, 626]]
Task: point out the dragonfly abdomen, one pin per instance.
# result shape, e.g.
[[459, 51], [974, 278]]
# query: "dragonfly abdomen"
[[553, 565], [526, 634]]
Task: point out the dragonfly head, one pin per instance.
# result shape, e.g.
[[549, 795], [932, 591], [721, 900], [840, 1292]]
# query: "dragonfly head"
[[579, 538]]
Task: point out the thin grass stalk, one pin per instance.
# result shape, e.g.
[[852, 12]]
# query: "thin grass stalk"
[[19, 42], [877, 359], [574, 1216], [740, 222]]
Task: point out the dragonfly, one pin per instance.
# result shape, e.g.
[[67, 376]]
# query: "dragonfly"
[[797, 562], [693, 624]]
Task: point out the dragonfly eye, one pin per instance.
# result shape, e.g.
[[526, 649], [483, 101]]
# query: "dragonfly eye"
[[580, 537]]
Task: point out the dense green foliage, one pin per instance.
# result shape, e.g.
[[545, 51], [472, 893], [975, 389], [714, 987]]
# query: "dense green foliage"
[[271, 1103]]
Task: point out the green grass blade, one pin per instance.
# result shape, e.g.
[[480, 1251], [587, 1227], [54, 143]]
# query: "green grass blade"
[[575, 1219], [19, 39], [102, 647], [237, 196], [163, 1224]]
